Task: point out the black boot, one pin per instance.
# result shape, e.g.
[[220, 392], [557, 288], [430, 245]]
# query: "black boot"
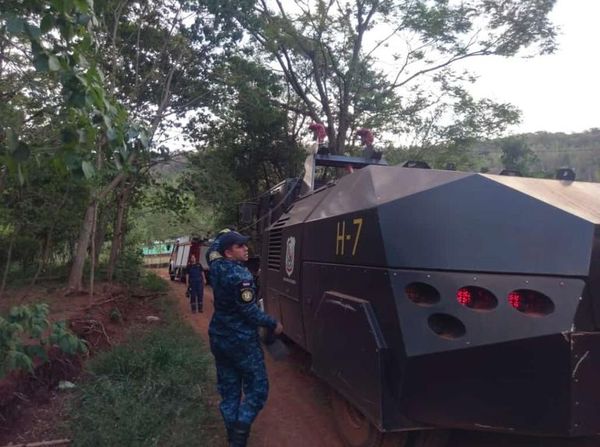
[[229, 434], [239, 435]]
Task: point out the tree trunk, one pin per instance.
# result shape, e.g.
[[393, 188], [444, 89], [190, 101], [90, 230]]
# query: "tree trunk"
[[340, 143], [100, 233], [8, 258], [45, 253], [47, 239], [118, 231], [3, 175], [93, 252], [76, 274]]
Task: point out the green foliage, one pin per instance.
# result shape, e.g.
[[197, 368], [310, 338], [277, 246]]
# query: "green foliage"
[[62, 121], [129, 266], [250, 148], [517, 155], [163, 54], [43, 217], [23, 338], [63, 49], [149, 225], [153, 283], [86, 89], [165, 209], [336, 56], [150, 391]]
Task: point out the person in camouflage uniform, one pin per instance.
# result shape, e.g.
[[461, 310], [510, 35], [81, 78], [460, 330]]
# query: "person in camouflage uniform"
[[234, 339]]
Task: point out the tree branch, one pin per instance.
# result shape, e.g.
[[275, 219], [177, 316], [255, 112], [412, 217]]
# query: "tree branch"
[[450, 61]]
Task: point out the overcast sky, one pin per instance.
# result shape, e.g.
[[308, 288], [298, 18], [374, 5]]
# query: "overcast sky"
[[556, 93]]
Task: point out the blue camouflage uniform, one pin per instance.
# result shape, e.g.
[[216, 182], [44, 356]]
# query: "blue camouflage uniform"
[[235, 344], [196, 285]]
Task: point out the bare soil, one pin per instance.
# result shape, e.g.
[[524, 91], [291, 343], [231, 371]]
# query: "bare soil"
[[297, 413]]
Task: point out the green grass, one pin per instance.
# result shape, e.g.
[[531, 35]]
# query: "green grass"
[[151, 391]]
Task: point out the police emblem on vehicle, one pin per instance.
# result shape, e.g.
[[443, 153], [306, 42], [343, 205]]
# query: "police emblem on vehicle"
[[289, 255]]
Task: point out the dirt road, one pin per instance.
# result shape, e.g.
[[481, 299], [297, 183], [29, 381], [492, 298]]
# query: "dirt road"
[[297, 413]]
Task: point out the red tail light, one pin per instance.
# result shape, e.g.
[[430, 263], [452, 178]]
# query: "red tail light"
[[464, 297], [530, 302], [476, 298]]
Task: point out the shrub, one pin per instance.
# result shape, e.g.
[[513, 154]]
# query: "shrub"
[[31, 322], [129, 266], [153, 283]]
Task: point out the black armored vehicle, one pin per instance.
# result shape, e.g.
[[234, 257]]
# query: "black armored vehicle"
[[432, 299]]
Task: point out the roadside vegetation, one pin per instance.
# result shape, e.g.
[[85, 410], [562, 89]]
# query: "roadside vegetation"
[[136, 373], [151, 390]]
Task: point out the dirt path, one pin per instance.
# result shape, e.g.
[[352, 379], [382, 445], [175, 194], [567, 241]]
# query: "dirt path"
[[297, 413]]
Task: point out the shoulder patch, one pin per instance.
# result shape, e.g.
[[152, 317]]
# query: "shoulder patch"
[[247, 295]]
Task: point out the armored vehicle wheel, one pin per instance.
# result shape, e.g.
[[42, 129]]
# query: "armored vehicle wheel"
[[354, 429], [357, 431]]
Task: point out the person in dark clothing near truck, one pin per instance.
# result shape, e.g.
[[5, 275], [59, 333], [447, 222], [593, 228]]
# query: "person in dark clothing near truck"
[[195, 284]]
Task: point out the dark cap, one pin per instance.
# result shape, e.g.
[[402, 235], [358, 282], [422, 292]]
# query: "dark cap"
[[230, 238]]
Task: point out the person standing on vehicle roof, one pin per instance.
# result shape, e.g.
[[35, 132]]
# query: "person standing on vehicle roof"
[[234, 339], [195, 284]]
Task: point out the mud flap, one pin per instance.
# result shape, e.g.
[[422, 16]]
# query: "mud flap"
[[349, 352]]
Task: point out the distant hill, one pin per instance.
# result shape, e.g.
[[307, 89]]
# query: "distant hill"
[[579, 151]]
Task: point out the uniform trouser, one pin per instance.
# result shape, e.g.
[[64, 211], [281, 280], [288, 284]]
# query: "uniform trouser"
[[240, 367], [196, 294]]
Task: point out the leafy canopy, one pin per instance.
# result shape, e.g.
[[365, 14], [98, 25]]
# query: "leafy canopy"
[[393, 65]]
